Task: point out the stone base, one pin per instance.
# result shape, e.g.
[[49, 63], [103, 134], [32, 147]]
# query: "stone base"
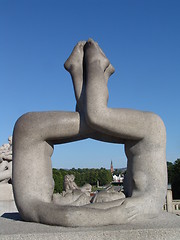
[[6, 192], [167, 226], [7, 207], [7, 204]]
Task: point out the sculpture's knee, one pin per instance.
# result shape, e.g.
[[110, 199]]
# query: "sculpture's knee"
[[159, 122], [28, 210], [95, 116], [26, 125], [156, 126]]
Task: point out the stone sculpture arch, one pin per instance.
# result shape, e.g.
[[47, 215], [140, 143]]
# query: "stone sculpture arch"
[[142, 133]]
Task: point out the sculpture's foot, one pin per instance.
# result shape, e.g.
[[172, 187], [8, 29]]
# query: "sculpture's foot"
[[143, 207], [75, 60], [122, 215], [109, 71], [93, 53]]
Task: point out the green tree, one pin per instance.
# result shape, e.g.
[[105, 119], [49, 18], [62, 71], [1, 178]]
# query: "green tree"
[[93, 176], [58, 181], [104, 176], [176, 180], [82, 176], [170, 167]]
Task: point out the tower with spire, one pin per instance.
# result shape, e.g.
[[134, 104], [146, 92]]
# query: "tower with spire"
[[112, 169]]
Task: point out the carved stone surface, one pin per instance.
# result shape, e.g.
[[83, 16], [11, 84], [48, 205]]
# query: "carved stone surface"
[[79, 196], [7, 203], [165, 227], [70, 185], [142, 133], [72, 194], [6, 193], [6, 162]]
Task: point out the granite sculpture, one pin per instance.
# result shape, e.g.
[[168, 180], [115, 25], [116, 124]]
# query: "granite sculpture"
[[72, 194], [6, 193], [79, 196], [142, 133], [6, 162], [70, 185]]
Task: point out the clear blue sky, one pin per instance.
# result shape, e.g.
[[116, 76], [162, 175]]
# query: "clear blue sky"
[[141, 39]]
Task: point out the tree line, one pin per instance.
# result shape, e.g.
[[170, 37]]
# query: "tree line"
[[174, 177], [104, 177], [82, 176]]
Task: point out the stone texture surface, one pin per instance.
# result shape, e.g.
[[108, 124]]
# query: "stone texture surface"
[[165, 227], [7, 207], [72, 194], [142, 133], [6, 192], [7, 203], [6, 162]]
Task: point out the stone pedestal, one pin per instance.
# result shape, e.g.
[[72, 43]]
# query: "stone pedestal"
[[7, 204], [167, 226], [6, 192], [7, 207], [169, 201]]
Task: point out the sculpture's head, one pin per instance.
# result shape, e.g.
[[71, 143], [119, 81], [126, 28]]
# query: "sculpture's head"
[[72, 177], [69, 178], [10, 140]]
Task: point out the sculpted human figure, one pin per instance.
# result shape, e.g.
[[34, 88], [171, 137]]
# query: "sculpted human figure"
[[72, 194], [5, 171], [6, 150], [6, 161], [142, 133], [70, 185]]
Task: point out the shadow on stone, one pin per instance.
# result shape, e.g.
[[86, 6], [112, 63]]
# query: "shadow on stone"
[[13, 216]]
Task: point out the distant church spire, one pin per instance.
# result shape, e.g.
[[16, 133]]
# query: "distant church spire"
[[112, 169]]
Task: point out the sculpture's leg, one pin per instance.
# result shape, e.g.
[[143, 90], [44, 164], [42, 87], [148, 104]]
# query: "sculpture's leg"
[[71, 199], [74, 65], [33, 136], [143, 132]]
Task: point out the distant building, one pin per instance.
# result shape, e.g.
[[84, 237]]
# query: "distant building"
[[112, 169], [118, 179]]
